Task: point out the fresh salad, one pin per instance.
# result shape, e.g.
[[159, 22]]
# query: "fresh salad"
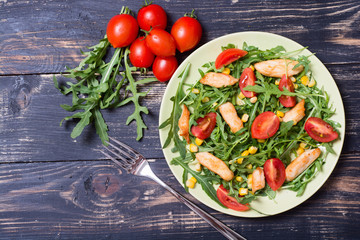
[[253, 124]]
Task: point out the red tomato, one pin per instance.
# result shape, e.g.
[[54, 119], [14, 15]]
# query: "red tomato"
[[164, 67], [205, 126], [247, 78], [320, 130], [265, 125], [140, 55], [122, 30], [228, 56], [274, 170], [161, 43], [187, 33], [287, 101], [228, 201], [152, 16]]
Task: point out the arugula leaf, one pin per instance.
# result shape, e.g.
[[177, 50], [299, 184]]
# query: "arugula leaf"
[[174, 116]]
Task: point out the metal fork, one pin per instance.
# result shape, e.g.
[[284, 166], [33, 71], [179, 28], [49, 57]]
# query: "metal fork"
[[135, 163]]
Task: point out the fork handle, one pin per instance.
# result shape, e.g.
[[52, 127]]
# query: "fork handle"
[[222, 228]]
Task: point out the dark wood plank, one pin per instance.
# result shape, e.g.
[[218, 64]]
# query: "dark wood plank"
[[94, 200], [59, 29], [30, 115]]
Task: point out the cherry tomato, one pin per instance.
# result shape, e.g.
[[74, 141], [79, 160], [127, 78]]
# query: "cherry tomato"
[[274, 170], [161, 43], [205, 126], [320, 130], [140, 55], [152, 16], [247, 78], [265, 125], [287, 101], [228, 201], [228, 56], [187, 33], [164, 67], [122, 30]]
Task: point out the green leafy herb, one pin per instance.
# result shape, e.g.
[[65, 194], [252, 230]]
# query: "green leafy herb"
[[97, 88]]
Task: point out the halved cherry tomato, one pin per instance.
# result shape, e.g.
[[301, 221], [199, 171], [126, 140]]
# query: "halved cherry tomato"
[[205, 126], [228, 201], [274, 170], [228, 56], [265, 125], [187, 33], [122, 30], [287, 101], [320, 130], [140, 55], [152, 16], [161, 43], [247, 78], [164, 67]]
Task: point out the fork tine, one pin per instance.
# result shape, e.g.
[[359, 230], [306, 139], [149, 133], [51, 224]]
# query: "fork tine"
[[114, 160], [125, 163], [120, 150], [124, 145]]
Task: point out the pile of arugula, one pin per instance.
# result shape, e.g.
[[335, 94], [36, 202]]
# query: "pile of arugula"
[[98, 88]]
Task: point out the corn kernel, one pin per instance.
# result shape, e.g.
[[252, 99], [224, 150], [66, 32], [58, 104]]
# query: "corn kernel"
[[245, 117], [214, 104], [253, 149], [300, 150], [205, 99], [249, 181], [239, 179], [240, 160], [226, 71], [199, 141], [303, 145], [280, 114], [245, 153], [253, 99], [293, 79], [296, 86], [198, 167], [193, 148], [261, 140], [249, 166], [241, 95], [277, 82], [312, 83], [252, 67], [191, 182], [239, 101], [243, 191], [195, 90], [304, 80]]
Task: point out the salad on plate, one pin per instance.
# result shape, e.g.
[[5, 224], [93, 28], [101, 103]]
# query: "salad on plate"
[[253, 124]]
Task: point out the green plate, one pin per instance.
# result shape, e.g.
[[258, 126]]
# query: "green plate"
[[285, 199]]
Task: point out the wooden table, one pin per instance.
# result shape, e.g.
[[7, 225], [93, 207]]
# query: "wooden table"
[[54, 187]]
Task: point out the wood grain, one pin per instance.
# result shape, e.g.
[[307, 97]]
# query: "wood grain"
[[93, 198], [60, 28]]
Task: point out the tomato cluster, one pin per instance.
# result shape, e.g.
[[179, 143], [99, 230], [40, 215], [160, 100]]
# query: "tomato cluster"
[[158, 47]]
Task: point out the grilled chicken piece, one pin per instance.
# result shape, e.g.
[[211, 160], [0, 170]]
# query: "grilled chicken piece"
[[215, 165], [277, 68], [184, 124], [296, 113], [258, 179], [218, 80], [299, 164], [228, 112]]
